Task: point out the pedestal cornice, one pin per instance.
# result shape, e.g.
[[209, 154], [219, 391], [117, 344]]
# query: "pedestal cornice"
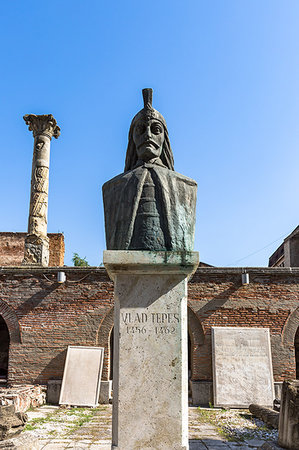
[[150, 262]]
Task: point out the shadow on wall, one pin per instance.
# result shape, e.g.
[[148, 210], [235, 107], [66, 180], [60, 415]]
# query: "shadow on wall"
[[296, 342], [32, 302], [4, 348], [218, 301], [54, 369]]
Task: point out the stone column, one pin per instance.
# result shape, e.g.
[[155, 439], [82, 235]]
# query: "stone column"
[[44, 127], [288, 430], [150, 373]]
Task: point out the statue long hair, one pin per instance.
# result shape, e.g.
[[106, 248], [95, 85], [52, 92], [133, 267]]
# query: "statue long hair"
[[148, 112]]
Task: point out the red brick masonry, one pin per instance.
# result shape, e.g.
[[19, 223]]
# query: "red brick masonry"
[[44, 317], [12, 248]]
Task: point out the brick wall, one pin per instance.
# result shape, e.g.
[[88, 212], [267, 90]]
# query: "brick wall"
[[56, 249], [44, 317], [218, 298], [12, 249]]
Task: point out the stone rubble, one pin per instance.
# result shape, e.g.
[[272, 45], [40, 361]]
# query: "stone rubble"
[[23, 397]]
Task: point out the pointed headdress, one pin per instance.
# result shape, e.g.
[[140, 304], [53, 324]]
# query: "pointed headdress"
[[148, 113]]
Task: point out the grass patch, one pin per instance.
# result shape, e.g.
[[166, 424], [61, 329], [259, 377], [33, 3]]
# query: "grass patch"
[[38, 422], [233, 425], [82, 416]]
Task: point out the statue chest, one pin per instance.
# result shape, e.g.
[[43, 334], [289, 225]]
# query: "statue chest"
[[148, 234]]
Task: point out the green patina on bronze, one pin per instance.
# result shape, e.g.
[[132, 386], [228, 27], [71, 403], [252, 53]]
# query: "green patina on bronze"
[[149, 206]]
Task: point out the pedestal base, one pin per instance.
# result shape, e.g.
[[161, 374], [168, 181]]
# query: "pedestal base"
[[36, 251], [150, 386]]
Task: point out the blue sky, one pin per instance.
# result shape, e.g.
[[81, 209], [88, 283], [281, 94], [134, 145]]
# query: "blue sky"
[[225, 76]]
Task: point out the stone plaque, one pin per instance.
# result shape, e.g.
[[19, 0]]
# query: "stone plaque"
[[82, 376], [242, 367]]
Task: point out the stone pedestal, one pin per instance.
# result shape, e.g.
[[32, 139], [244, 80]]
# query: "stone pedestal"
[[150, 385], [288, 434]]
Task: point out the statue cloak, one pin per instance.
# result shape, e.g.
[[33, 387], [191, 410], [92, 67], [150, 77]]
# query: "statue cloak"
[[121, 197]]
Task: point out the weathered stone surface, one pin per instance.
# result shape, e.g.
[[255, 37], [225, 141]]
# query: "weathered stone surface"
[[53, 391], [36, 250], [150, 206], [202, 392], [147, 262], [22, 397], [11, 422], [44, 127], [26, 441], [270, 446], [82, 376], [105, 392], [267, 415], [288, 433], [150, 409], [12, 248], [242, 367]]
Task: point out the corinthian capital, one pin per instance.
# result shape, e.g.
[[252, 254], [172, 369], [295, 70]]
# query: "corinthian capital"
[[44, 124]]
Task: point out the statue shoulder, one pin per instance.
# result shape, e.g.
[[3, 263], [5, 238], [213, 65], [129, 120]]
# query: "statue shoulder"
[[175, 175], [118, 179]]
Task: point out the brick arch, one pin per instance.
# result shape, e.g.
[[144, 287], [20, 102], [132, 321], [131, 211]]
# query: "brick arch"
[[11, 321], [290, 328], [197, 337], [103, 340]]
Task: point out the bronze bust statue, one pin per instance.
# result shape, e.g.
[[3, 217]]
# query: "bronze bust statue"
[[149, 206]]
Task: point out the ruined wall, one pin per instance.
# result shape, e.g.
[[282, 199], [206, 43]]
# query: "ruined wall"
[[44, 317], [12, 249]]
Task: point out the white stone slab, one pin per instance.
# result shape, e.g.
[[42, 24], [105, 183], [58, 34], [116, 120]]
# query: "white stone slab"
[[82, 376], [242, 367]]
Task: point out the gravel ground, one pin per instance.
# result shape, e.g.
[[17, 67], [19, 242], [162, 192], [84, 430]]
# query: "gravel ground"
[[209, 428], [237, 425]]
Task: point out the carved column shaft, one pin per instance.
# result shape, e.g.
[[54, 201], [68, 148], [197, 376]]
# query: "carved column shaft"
[[44, 127]]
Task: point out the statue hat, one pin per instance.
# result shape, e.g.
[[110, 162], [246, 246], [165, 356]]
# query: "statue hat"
[[147, 113]]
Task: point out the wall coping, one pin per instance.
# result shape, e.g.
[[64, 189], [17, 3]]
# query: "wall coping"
[[20, 270]]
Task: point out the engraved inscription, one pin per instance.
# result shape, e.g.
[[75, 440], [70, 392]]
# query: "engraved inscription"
[[150, 322]]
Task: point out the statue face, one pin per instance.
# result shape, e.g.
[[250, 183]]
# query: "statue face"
[[148, 137]]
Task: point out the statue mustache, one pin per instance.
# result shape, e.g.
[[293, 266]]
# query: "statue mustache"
[[149, 141]]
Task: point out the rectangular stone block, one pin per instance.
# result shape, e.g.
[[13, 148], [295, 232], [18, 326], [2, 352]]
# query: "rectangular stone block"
[[242, 367], [82, 376], [53, 391], [202, 393], [150, 393], [105, 392]]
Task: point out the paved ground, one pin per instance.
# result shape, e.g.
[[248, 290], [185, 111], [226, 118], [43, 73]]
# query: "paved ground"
[[95, 432]]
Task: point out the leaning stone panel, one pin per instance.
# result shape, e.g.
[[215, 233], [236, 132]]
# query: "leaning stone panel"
[[82, 376], [242, 367]]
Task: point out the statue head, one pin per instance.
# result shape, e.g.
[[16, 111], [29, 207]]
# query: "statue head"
[[148, 136]]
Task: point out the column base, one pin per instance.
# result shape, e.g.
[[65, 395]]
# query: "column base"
[[36, 251]]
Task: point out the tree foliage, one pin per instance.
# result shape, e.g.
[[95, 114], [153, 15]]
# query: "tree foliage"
[[79, 262]]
